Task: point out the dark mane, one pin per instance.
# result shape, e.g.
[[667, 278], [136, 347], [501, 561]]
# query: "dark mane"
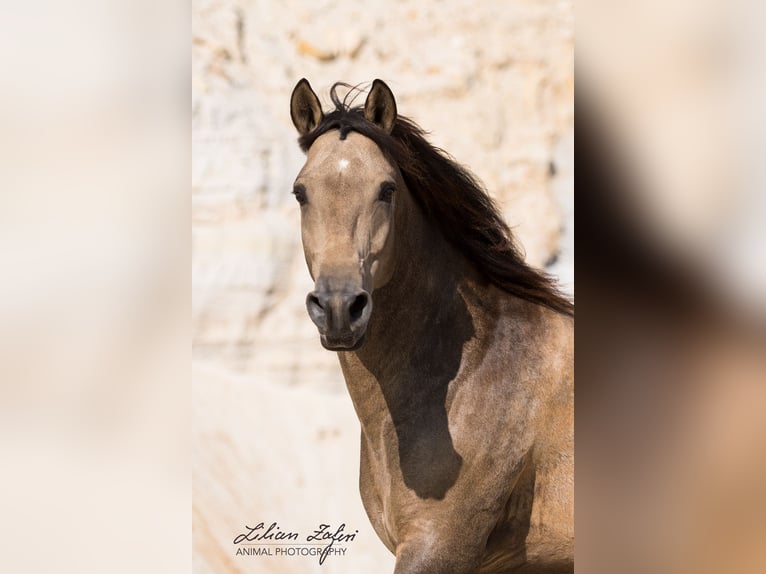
[[452, 198]]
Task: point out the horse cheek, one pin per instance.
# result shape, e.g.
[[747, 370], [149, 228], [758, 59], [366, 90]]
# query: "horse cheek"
[[309, 241]]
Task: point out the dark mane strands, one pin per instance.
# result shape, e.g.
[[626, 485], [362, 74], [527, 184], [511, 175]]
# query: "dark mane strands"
[[452, 197]]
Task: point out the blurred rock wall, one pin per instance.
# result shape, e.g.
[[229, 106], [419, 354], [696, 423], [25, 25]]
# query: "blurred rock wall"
[[492, 82]]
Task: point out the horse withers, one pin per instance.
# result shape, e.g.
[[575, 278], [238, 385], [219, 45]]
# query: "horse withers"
[[458, 356]]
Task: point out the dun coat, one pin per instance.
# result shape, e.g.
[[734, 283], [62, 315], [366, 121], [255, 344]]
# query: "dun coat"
[[458, 356]]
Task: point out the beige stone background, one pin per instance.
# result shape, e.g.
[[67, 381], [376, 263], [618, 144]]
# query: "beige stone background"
[[275, 436]]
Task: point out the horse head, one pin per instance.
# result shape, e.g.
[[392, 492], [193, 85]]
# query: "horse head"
[[346, 191]]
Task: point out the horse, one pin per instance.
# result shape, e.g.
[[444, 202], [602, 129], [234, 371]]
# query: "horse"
[[457, 355]]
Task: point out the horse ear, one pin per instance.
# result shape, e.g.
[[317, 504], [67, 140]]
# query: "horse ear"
[[305, 109], [380, 107]]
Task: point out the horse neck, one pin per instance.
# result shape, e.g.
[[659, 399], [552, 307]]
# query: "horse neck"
[[427, 274], [418, 327]]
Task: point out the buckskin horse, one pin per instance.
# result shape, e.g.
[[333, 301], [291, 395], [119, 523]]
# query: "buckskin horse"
[[458, 356]]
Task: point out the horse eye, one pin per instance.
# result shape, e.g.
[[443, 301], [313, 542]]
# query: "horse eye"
[[386, 192], [300, 194]]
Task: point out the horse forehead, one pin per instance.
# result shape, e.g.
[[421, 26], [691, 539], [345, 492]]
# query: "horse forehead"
[[356, 154]]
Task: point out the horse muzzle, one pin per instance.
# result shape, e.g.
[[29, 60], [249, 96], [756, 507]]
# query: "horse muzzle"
[[341, 315]]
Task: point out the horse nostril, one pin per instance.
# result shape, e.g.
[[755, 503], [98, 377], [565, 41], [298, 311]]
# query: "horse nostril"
[[316, 310], [313, 301], [357, 306]]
